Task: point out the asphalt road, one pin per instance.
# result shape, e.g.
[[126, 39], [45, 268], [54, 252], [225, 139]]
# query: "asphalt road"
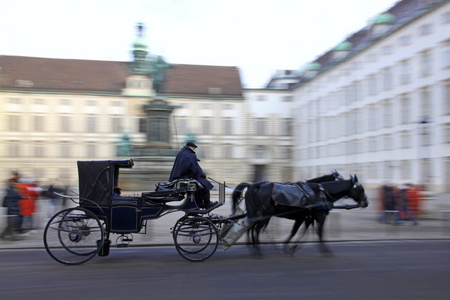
[[374, 270]]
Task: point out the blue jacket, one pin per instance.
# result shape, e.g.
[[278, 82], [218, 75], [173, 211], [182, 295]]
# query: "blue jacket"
[[186, 166], [11, 201]]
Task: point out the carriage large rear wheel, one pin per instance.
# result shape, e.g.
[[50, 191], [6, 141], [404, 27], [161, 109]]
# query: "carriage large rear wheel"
[[73, 236], [196, 238]]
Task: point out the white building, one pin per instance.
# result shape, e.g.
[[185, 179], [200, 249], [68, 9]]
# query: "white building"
[[379, 103]]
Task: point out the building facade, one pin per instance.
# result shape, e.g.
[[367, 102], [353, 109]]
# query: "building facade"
[[378, 104]]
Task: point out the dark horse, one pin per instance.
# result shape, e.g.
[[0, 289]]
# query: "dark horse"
[[260, 206]]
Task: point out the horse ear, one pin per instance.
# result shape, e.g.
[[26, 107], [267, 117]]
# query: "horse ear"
[[356, 178], [352, 179]]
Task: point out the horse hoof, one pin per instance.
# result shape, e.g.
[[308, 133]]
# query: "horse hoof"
[[290, 250], [325, 250]]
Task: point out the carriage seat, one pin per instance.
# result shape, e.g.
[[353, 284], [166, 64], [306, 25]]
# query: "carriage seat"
[[171, 191]]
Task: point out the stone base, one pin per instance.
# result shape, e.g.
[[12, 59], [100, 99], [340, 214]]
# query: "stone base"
[[146, 172]]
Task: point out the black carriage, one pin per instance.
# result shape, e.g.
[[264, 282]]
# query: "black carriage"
[[77, 234]]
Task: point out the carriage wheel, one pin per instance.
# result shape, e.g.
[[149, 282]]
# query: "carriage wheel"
[[196, 238], [73, 236]]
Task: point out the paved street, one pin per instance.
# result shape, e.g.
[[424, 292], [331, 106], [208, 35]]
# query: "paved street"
[[363, 270]]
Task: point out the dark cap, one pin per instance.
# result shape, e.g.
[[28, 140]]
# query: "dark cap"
[[191, 144]]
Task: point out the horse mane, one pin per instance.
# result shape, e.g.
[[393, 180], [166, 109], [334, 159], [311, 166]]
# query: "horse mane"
[[337, 187]]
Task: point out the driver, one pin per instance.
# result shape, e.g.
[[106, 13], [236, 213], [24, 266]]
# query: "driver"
[[186, 166]]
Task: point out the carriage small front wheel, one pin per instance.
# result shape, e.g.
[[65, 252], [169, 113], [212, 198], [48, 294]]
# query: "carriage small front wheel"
[[196, 238], [73, 236]]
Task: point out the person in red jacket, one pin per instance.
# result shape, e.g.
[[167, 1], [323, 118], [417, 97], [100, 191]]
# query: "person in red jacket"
[[29, 192]]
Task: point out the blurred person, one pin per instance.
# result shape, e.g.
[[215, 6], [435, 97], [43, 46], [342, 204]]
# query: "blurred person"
[[30, 192], [404, 203], [389, 204], [186, 166], [11, 202], [54, 201]]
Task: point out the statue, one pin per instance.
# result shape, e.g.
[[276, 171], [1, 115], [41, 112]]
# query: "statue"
[[157, 69]]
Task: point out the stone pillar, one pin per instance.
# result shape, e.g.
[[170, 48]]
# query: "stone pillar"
[[158, 115]]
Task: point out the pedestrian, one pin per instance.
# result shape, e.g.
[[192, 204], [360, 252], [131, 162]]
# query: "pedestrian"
[[11, 202], [186, 167], [404, 203], [30, 192]]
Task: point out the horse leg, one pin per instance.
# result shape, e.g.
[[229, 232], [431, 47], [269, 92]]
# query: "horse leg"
[[254, 233], [297, 224], [320, 217]]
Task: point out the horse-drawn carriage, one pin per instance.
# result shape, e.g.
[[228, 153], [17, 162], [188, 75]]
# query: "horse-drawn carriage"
[[75, 235]]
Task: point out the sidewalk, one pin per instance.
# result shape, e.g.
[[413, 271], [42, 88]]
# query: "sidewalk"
[[341, 225]]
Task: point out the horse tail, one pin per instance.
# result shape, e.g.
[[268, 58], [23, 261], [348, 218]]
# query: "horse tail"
[[237, 195]]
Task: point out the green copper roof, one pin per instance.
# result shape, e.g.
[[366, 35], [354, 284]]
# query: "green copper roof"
[[314, 66], [384, 18], [344, 46], [139, 44]]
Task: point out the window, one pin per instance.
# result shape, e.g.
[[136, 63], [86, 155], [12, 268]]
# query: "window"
[[14, 123], [372, 85], [285, 153], [260, 152], [206, 126], [387, 79], [373, 118], [228, 126], [404, 40], [91, 150], [260, 98], [38, 150], [405, 109], [425, 63], [117, 103], [215, 90], [65, 101], [446, 56], [228, 151], [286, 127], [205, 151], [405, 169], [387, 50], [387, 114], [287, 99], [91, 103], [14, 149], [116, 124], [405, 72], [447, 97], [447, 133], [425, 104], [65, 150], [446, 18], [39, 123], [91, 124], [182, 126], [65, 123], [228, 106], [206, 105], [39, 101], [261, 126], [425, 29], [14, 100], [387, 142]]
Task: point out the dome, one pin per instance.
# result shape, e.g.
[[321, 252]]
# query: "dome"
[[314, 66], [344, 46], [385, 18], [139, 44]]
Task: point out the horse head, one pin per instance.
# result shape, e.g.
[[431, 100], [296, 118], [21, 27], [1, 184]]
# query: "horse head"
[[358, 193]]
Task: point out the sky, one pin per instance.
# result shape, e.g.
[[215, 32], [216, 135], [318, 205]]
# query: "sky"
[[257, 36]]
